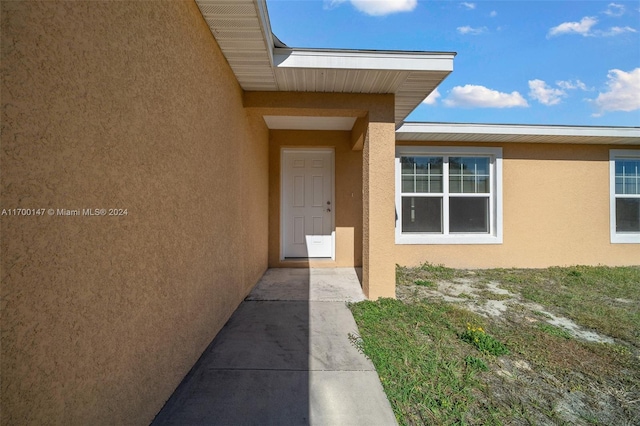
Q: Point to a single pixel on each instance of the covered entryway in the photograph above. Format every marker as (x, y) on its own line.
(315, 197)
(349, 99)
(307, 203)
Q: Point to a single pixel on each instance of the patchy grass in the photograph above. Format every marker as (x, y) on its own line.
(487, 294)
(427, 272)
(441, 363)
(425, 283)
(554, 331)
(419, 358)
(476, 363)
(602, 298)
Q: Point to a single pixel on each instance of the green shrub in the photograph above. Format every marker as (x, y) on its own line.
(484, 342)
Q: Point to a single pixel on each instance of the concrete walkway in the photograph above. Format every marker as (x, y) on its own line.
(284, 358)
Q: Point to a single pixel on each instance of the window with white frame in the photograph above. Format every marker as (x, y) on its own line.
(624, 178)
(448, 195)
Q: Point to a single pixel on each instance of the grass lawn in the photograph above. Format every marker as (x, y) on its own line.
(549, 346)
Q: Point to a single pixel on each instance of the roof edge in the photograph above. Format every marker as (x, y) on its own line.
(519, 129)
(371, 51)
(363, 59)
(265, 25)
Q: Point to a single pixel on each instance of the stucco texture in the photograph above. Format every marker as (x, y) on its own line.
(126, 105)
(379, 209)
(374, 135)
(555, 213)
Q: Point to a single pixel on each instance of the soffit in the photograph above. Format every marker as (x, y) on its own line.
(505, 133)
(275, 122)
(411, 76)
(243, 31)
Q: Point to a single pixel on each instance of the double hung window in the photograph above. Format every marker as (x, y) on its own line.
(624, 169)
(448, 195)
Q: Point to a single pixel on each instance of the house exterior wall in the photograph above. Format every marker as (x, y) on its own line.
(555, 213)
(348, 194)
(126, 105)
(374, 134)
(379, 213)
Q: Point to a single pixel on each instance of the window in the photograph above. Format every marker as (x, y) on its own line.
(624, 178)
(448, 195)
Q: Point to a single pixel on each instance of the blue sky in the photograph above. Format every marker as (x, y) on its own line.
(530, 62)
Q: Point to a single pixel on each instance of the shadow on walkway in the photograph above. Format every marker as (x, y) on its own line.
(284, 358)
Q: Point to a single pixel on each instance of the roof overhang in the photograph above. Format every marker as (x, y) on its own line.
(514, 133)
(411, 76)
(282, 122)
(260, 63)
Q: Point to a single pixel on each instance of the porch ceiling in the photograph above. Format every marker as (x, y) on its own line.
(509, 133)
(261, 63)
(276, 122)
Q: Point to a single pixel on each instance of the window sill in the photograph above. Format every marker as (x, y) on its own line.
(625, 238)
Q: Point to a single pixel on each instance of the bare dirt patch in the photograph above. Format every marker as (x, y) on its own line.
(489, 300)
(558, 371)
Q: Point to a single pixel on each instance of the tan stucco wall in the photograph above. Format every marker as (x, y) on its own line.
(128, 105)
(348, 194)
(378, 207)
(374, 134)
(555, 212)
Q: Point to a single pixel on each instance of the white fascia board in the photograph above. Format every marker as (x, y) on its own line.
(362, 59)
(265, 25)
(518, 130)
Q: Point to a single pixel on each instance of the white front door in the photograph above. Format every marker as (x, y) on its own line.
(307, 203)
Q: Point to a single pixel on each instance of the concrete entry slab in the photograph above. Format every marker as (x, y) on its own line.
(285, 359)
(319, 284)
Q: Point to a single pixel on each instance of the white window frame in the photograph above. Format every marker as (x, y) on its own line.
(495, 198)
(627, 237)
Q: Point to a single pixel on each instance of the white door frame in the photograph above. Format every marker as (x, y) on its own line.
(283, 152)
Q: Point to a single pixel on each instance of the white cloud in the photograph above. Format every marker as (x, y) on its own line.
(614, 10)
(493, 14)
(432, 99)
(583, 27)
(546, 95)
(377, 7)
(330, 4)
(472, 31)
(623, 92)
(472, 96)
(570, 85)
(614, 31)
(468, 5)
